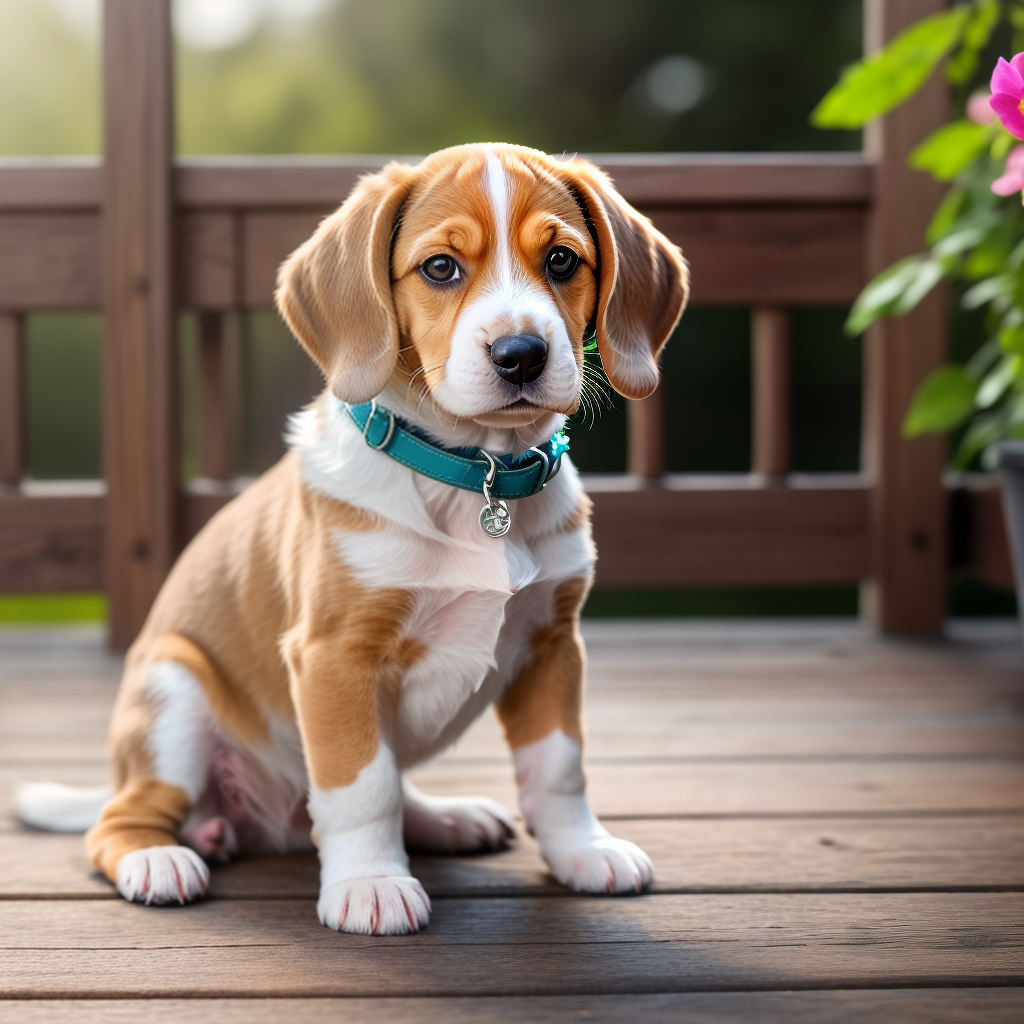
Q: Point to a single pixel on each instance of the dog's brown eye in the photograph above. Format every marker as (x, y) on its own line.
(562, 263)
(441, 269)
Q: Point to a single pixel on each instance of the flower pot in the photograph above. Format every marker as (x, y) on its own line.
(1011, 466)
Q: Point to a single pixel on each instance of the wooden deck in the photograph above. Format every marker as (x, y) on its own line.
(835, 820)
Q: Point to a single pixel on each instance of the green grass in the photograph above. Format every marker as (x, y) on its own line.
(38, 609)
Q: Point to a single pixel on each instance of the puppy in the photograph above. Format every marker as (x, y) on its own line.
(354, 610)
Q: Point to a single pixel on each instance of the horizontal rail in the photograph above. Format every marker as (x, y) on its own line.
(786, 231)
(801, 179)
(690, 532)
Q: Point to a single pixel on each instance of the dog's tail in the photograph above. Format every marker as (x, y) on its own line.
(56, 808)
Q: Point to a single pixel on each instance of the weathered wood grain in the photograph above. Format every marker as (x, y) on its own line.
(50, 261)
(690, 856)
(843, 1006)
(519, 947)
(51, 543)
(907, 593)
(140, 365)
(13, 433)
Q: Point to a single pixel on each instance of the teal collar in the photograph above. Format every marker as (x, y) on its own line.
(473, 469)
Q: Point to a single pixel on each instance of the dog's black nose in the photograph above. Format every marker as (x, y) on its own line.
(519, 358)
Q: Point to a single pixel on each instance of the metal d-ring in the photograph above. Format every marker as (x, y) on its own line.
(369, 419)
(547, 467)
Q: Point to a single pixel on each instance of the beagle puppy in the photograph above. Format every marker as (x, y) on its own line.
(354, 610)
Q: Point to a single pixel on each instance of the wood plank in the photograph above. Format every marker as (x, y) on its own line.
(51, 543)
(692, 536)
(267, 238)
(812, 788)
(564, 946)
(769, 256)
(51, 183)
(50, 261)
(826, 855)
(841, 1006)
(646, 436)
(209, 259)
(979, 543)
(220, 396)
(764, 789)
(140, 427)
(907, 593)
(13, 385)
(662, 178)
(770, 342)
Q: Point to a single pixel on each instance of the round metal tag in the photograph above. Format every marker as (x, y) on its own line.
(495, 518)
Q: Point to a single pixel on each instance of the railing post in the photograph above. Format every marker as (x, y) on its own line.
(140, 446)
(219, 397)
(907, 592)
(770, 340)
(645, 434)
(12, 399)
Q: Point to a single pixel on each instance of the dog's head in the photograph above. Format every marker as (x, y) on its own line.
(474, 275)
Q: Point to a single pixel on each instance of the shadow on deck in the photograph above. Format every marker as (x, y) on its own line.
(835, 821)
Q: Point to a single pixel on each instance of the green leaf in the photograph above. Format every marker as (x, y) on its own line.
(959, 241)
(983, 432)
(945, 216)
(984, 359)
(998, 381)
(876, 84)
(1012, 340)
(951, 148)
(962, 64)
(1000, 286)
(895, 291)
(880, 294)
(942, 401)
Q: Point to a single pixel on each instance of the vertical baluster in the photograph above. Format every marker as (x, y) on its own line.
(646, 436)
(219, 396)
(12, 399)
(771, 449)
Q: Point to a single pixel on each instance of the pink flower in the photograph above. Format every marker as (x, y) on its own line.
(1012, 179)
(978, 109)
(1008, 94)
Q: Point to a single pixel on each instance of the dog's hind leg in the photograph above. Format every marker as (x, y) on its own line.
(454, 824)
(161, 744)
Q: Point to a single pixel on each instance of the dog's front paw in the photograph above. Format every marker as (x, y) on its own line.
(385, 905)
(162, 874)
(458, 824)
(600, 864)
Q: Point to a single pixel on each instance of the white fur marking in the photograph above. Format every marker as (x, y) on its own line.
(180, 739)
(57, 808)
(365, 885)
(578, 849)
(162, 874)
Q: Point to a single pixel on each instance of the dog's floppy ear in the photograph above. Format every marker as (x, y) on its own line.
(334, 291)
(644, 283)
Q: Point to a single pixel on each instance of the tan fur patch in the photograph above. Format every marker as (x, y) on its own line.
(143, 813)
(235, 714)
(580, 517)
(548, 693)
(345, 674)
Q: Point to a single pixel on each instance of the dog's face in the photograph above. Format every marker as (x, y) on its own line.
(472, 277)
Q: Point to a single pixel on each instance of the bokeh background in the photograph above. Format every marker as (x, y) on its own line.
(408, 76)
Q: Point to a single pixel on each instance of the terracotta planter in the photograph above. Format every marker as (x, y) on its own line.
(1011, 466)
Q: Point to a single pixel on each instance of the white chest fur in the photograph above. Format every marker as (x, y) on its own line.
(477, 600)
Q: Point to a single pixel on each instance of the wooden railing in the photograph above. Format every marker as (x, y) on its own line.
(142, 235)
